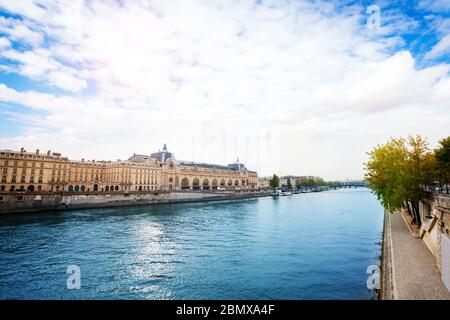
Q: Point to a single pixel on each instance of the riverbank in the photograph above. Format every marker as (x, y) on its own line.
(19, 202)
(409, 270)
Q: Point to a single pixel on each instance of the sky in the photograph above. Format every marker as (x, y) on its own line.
(288, 87)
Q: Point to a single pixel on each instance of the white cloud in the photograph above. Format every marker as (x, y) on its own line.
(435, 5)
(441, 48)
(218, 79)
(40, 64)
(18, 30)
(4, 42)
(66, 81)
(29, 8)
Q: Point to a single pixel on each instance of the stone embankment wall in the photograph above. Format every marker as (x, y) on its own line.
(435, 232)
(12, 202)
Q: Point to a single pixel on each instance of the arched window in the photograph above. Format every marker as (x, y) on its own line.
(83, 188)
(206, 184)
(71, 188)
(77, 188)
(230, 183)
(12, 188)
(95, 187)
(107, 188)
(4, 179)
(117, 188)
(30, 188)
(236, 183)
(185, 184)
(2, 188)
(39, 188)
(222, 183)
(196, 184)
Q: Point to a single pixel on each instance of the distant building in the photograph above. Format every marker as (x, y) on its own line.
(34, 171)
(263, 183)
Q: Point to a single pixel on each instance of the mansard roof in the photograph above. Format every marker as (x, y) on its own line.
(162, 156)
(140, 158)
(203, 165)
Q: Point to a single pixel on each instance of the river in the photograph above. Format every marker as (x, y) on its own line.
(306, 246)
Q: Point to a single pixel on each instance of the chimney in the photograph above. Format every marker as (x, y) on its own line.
(22, 150)
(49, 152)
(37, 151)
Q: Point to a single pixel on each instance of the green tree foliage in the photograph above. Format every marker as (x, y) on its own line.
(334, 184)
(398, 171)
(305, 182)
(275, 181)
(442, 155)
(311, 182)
(289, 184)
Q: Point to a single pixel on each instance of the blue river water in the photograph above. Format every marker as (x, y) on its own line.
(306, 246)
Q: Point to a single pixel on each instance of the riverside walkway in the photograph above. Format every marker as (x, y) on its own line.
(413, 270)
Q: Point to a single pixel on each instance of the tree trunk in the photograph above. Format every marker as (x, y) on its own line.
(414, 220)
(417, 213)
(410, 209)
(405, 204)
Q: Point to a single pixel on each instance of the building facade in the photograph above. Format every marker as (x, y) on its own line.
(264, 183)
(51, 172)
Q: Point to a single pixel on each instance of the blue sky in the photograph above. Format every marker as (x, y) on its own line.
(293, 87)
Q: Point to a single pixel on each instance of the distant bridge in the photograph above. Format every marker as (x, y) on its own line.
(350, 184)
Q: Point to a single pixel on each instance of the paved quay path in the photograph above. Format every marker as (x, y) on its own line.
(414, 271)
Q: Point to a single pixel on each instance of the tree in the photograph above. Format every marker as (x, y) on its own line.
(420, 172)
(398, 171)
(334, 184)
(289, 184)
(442, 155)
(319, 182)
(275, 181)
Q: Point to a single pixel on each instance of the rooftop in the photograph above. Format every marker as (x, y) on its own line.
(163, 155)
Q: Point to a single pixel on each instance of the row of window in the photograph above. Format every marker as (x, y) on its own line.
(54, 166)
(5, 171)
(22, 179)
(76, 188)
(33, 164)
(21, 188)
(40, 179)
(145, 188)
(31, 156)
